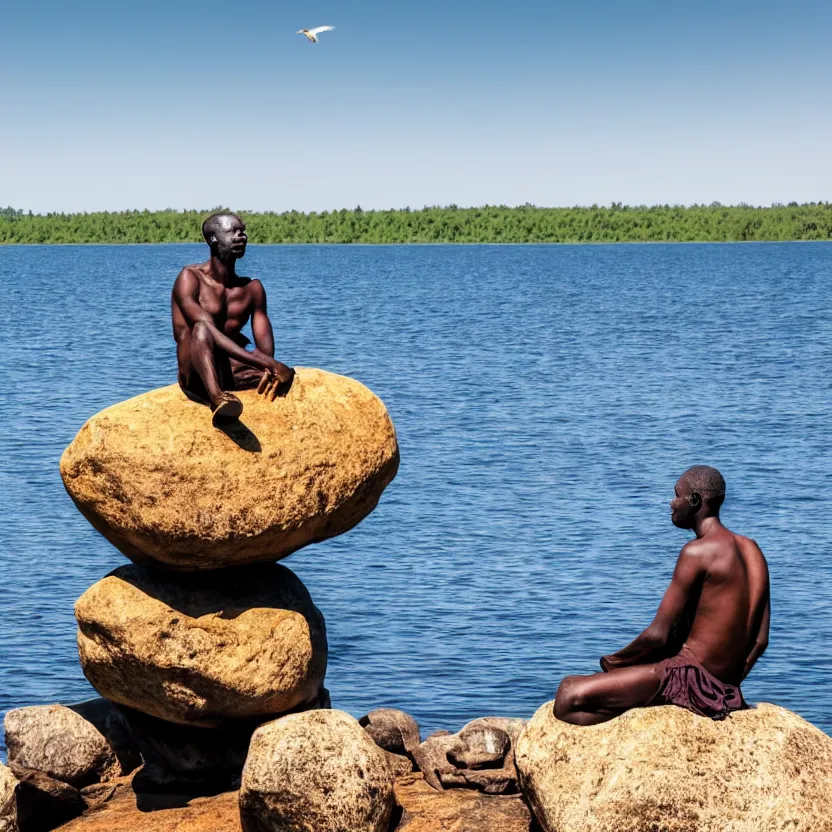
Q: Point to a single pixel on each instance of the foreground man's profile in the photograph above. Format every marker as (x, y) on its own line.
(711, 627)
(210, 305)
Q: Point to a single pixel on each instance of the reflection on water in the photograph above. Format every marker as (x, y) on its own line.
(545, 398)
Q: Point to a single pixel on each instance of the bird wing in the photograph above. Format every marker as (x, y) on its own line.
(318, 29)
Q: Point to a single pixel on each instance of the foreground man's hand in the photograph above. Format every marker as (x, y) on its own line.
(609, 663)
(274, 377)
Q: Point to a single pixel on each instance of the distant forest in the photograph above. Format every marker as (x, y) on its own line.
(491, 224)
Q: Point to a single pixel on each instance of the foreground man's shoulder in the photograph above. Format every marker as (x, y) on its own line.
(748, 543)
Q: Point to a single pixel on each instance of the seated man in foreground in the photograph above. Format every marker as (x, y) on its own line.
(210, 305)
(711, 627)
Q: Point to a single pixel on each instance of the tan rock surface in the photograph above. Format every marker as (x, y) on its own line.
(119, 812)
(8, 803)
(666, 770)
(202, 648)
(62, 744)
(457, 810)
(315, 772)
(161, 484)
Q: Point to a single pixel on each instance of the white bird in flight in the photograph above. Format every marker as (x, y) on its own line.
(312, 34)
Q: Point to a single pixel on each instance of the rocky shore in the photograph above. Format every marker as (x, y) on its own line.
(210, 661)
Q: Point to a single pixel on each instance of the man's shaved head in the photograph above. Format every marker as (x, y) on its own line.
(708, 482)
(214, 225)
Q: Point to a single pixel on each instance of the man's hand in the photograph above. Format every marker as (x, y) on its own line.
(275, 375)
(609, 663)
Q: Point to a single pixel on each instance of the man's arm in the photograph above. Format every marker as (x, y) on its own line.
(261, 326)
(185, 293)
(261, 329)
(761, 641)
(651, 644)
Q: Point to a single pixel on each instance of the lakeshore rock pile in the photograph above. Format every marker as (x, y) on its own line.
(203, 637)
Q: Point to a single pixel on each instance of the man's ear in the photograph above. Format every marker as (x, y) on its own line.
(213, 240)
(695, 499)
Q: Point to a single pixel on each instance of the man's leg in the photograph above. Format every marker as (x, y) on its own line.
(588, 700)
(203, 360)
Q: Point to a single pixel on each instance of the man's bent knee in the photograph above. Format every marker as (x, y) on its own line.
(201, 334)
(567, 698)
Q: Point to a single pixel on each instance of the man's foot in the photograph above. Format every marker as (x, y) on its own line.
(227, 408)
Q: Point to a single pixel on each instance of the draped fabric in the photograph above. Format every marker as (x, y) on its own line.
(686, 683)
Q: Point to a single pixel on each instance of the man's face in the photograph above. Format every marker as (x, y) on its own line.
(231, 237)
(681, 510)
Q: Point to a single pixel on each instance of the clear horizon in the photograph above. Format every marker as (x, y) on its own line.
(548, 104)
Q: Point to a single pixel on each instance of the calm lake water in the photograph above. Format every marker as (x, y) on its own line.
(546, 398)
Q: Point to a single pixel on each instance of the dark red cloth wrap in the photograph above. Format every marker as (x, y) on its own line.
(684, 682)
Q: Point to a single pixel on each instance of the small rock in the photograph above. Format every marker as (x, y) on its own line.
(399, 764)
(206, 648)
(62, 744)
(8, 800)
(44, 803)
(393, 730)
(107, 718)
(317, 771)
(167, 488)
(479, 757)
(459, 810)
(664, 768)
(480, 747)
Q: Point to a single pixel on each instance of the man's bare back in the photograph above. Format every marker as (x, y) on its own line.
(711, 627)
(210, 304)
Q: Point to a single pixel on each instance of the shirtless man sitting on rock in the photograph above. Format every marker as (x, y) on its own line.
(211, 304)
(711, 627)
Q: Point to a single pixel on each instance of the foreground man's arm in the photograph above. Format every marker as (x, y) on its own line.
(761, 642)
(651, 644)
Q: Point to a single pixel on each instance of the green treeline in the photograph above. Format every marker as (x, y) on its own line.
(490, 224)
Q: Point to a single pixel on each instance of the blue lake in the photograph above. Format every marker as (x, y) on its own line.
(546, 398)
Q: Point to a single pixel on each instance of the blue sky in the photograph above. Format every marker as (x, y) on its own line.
(185, 104)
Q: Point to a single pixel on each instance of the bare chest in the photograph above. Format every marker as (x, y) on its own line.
(232, 306)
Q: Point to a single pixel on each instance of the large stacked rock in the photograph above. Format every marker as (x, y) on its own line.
(167, 488)
(664, 769)
(204, 637)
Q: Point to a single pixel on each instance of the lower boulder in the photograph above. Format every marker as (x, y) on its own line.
(203, 648)
(664, 769)
(317, 771)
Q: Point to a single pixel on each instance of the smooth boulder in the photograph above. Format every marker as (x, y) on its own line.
(317, 771)
(664, 769)
(164, 486)
(203, 648)
(61, 743)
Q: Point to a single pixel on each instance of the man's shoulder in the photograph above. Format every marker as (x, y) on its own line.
(254, 287)
(193, 270)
